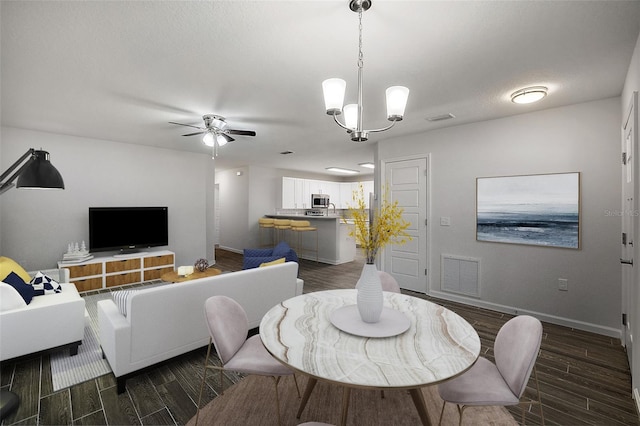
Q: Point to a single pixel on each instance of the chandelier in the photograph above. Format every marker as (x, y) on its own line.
(334, 89)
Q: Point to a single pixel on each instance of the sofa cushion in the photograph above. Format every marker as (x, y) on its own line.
(9, 265)
(25, 290)
(10, 298)
(44, 284)
(121, 297)
(254, 262)
(281, 250)
(273, 262)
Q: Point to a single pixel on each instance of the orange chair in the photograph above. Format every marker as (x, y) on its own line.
(266, 224)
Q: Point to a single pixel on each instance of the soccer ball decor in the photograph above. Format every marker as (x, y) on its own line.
(201, 265)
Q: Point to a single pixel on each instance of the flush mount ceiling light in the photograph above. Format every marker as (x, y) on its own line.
(367, 165)
(341, 170)
(334, 89)
(529, 95)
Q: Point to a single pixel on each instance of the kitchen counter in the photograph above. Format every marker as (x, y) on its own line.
(335, 246)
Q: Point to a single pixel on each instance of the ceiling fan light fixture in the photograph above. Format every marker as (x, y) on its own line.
(208, 139)
(222, 141)
(529, 95)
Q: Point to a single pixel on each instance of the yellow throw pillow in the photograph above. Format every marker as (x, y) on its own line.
(8, 266)
(273, 262)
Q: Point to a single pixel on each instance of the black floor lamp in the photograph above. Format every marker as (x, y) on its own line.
(36, 173)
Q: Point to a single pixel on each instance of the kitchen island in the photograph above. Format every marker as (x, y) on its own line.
(335, 245)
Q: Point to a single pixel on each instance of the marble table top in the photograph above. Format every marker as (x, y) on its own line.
(438, 345)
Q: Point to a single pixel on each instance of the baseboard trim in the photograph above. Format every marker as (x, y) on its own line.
(553, 319)
(636, 398)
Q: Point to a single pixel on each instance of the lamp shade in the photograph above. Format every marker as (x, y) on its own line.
(333, 89)
(351, 116)
(396, 102)
(40, 174)
(208, 139)
(222, 141)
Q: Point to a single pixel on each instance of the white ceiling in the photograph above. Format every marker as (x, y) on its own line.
(121, 70)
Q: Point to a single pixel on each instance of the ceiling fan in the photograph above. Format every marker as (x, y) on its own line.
(216, 133)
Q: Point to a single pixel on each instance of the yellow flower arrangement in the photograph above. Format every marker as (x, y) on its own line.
(375, 228)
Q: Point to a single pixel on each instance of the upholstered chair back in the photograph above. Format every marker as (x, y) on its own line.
(516, 349)
(228, 325)
(388, 282)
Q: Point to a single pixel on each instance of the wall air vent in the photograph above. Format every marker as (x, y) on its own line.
(441, 117)
(286, 152)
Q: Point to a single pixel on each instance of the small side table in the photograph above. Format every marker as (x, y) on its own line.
(173, 277)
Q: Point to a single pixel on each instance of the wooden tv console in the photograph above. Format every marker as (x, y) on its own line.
(110, 271)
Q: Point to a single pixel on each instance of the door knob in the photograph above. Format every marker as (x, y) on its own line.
(626, 261)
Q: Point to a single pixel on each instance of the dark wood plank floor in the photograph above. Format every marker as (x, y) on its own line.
(584, 377)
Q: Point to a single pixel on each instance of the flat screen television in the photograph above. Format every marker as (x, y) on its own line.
(127, 229)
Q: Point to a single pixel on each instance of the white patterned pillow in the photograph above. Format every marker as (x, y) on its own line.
(44, 284)
(120, 298)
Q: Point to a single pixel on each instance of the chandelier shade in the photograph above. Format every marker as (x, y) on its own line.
(334, 90)
(396, 102)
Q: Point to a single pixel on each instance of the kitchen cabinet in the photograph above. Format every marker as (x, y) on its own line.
(296, 192)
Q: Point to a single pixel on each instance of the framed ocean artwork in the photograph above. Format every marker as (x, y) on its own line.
(542, 210)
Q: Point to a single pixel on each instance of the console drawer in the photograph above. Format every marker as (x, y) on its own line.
(122, 265)
(155, 274)
(85, 270)
(88, 284)
(150, 262)
(120, 279)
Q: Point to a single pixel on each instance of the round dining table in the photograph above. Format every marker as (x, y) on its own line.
(307, 333)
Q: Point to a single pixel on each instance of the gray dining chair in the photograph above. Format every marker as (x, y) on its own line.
(515, 349)
(228, 328)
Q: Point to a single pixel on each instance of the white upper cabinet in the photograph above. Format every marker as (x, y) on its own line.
(296, 192)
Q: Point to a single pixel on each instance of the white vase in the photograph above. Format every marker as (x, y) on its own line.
(370, 298)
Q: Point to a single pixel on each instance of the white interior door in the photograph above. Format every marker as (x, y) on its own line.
(630, 239)
(407, 184)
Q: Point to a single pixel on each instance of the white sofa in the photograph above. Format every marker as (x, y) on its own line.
(166, 321)
(49, 321)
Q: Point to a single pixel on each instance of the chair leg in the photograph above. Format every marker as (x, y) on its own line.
(461, 411)
(444, 404)
(296, 382)
(204, 376)
(276, 380)
(535, 376)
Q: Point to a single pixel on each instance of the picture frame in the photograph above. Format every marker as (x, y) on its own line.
(540, 210)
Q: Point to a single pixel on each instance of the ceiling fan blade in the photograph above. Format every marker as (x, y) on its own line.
(188, 125)
(240, 132)
(193, 134)
(227, 137)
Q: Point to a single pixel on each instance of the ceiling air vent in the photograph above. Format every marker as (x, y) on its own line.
(441, 117)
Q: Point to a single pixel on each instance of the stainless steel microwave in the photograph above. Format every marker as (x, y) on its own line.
(319, 201)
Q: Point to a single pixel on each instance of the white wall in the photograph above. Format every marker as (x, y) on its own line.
(36, 226)
(580, 138)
